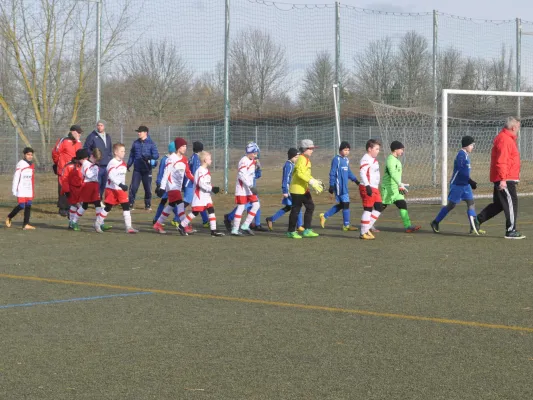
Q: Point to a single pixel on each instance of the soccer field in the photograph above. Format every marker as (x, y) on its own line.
(406, 316)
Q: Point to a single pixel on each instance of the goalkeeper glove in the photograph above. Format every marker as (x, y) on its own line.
(123, 187)
(356, 181)
(331, 189)
(473, 184)
(403, 188)
(215, 189)
(368, 190)
(253, 190)
(317, 185)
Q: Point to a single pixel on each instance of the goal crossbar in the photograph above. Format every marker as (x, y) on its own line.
(444, 110)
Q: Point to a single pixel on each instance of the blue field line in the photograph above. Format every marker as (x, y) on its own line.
(39, 303)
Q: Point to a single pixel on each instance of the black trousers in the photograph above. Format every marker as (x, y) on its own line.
(297, 201)
(62, 202)
(502, 200)
(146, 178)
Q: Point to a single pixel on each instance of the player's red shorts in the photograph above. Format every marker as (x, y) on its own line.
(74, 195)
(114, 197)
(90, 192)
(368, 201)
(202, 208)
(174, 195)
(21, 200)
(246, 199)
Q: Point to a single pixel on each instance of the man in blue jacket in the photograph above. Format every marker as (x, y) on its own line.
(143, 157)
(101, 140)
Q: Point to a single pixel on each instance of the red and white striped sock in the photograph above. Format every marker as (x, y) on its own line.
(78, 214)
(238, 216)
(181, 211)
(72, 212)
(164, 215)
(187, 220)
(101, 216)
(373, 218)
(251, 214)
(212, 222)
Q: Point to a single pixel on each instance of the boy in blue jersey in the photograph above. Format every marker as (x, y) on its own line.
(161, 193)
(339, 176)
(461, 186)
(288, 169)
(188, 190)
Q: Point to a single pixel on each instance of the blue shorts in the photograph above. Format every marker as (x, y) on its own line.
(287, 201)
(343, 198)
(460, 193)
(188, 194)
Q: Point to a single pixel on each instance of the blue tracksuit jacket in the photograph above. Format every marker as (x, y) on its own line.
(340, 174)
(142, 153)
(461, 169)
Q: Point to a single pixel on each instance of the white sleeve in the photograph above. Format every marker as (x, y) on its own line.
(363, 172)
(166, 174)
(16, 180)
(204, 186)
(242, 175)
(91, 172)
(112, 176)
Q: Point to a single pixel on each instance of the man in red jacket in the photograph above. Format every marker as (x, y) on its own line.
(505, 175)
(63, 153)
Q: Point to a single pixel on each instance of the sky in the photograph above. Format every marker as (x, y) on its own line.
(483, 9)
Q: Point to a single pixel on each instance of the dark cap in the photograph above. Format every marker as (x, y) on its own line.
(81, 154)
(292, 153)
(396, 145)
(142, 128)
(344, 145)
(467, 141)
(76, 128)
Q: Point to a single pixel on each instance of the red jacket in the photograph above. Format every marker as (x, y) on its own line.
(505, 158)
(64, 151)
(71, 179)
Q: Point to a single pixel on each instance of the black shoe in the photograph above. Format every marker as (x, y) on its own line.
(435, 226)
(270, 224)
(64, 213)
(514, 235)
(217, 234)
(181, 230)
(227, 223)
(259, 228)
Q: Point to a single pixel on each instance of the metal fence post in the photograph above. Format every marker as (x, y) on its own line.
(296, 136)
(435, 102)
(226, 96)
(214, 147)
(121, 134)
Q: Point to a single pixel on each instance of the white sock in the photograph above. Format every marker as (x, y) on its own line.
(187, 220)
(166, 212)
(251, 214)
(373, 218)
(127, 218)
(181, 211)
(78, 215)
(212, 222)
(238, 216)
(101, 217)
(72, 213)
(365, 222)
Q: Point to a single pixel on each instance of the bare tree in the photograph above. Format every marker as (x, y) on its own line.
(258, 69)
(413, 68)
(375, 73)
(159, 78)
(449, 66)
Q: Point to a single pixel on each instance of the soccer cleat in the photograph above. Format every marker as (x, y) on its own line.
(159, 228)
(260, 228)
(227, 224)
(475, 227)
(322, 220)
(64, 213)
(301, 229)
(246, 229)
(349, 228)
(28, 227)
(369, 233)
(270, 224)
(75, 227)
(8, 222)
(70, 225)
(293, 235)
(148, 208)
(217, 234)
(98, 227)
(182, 230)
(190, 230)
(308, 233)
(412, 228)
(514, 235)
(366, 236)
(374, 229)
(131, 230)
(206, 224)
(174, 223)
(236, 232)
(435, 226)
(105, 227)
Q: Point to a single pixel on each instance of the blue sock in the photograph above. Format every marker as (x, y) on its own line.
(471, 213)
(346, 216)
(159, 210)
(442, 213)
(278, 215)
(332, 211)
(231, 215)
(205, 217)
(258, 217)
(300, 221)
(176, 218)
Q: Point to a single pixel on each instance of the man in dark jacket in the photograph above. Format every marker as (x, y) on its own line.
(143, 157)
(101, 140)
(505, 175)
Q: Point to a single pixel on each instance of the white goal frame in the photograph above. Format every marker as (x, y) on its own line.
(444, 133)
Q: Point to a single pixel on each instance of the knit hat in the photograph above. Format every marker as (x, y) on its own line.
(178, 142)
(101, 121)
(344, 145)
(171, 147)
(81, 154)
(292, 153)
(396, 145)
(307, 144)
(467, 141)
(197, 147)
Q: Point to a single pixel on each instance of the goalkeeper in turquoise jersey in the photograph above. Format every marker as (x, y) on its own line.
(392, 189)
(461, 186)
(340, 175)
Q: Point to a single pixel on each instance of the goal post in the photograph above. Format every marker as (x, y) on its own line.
(444, 127)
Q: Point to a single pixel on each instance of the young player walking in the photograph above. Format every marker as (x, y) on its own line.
(461, 186)
(188, 185)
(23, 189)
(72, 183)
(339, 176)
(392, 189)
(202, 201)
(162, 193)
(369, 189)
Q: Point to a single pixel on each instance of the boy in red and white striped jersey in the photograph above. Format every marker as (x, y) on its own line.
(369, 189)
(23, 188)
(201, 200)
(116, 191)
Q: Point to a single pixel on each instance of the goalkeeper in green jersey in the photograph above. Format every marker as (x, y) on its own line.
(392, 188)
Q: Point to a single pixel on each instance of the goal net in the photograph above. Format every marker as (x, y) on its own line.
(432, 140)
